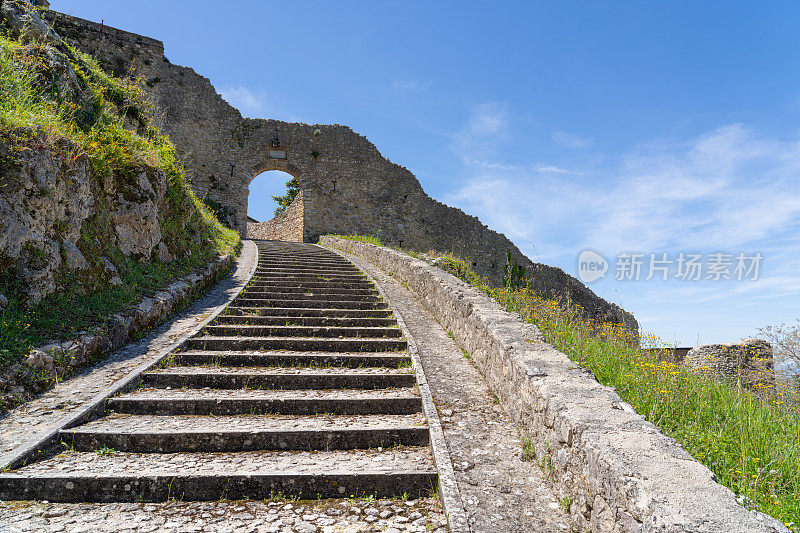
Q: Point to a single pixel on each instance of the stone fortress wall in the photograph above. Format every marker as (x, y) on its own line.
(348, 186)
(285, 226)
(749, 362)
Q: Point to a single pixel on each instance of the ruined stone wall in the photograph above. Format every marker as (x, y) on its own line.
(749, 362)
(348, 186)
(618, 471)
(285, 226)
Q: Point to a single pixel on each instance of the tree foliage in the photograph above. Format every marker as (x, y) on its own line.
(292, 188)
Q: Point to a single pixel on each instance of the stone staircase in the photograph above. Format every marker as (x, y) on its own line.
(302, 387)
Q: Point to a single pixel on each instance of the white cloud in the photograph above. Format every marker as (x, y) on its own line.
(571, 141)
(542, 167)
(729, 189)
(486, 127)
(250, 104)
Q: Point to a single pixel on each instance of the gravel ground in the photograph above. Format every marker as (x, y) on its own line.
(323, 516)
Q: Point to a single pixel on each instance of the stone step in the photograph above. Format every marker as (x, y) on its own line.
(304, 265)
(281, 378)
(188, 433)
(308, 265)
(307, 295)
(249, 358)
(305, 321)
(308, 312)
(74, 476)
(310, 269)
(365, 284)
(302, 276)
(283, 289)
(250, 330)
(245, 301)
(364, 344)
(218, 402)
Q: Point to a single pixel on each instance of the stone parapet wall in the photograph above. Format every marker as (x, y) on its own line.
(749, 362)
(285, 226)
(112, 47)
(621, 473)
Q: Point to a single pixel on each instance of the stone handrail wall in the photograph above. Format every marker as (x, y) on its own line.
(285, 226)
(620, 472)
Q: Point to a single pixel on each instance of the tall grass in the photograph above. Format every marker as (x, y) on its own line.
(749, 438)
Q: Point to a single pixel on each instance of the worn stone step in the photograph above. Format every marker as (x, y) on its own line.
(364, 284)
(303, 258)
(74, 476)
(305, 321)
(294, 273)
(190, 433)
(245, 301)
(219, 402)
(308, 295)
(251, 330)
(308, 265)
(365, 344)
(307, 312)
(289, 276)
(283, 289)
(250, 358)
(309, 269)
(281, 378)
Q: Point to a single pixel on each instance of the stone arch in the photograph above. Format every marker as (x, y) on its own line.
(288, 225)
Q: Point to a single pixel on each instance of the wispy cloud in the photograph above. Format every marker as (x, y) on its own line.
(486, 127)
(729, 188)
(538, 167)
(250, 104)
(411, 86)
(571, 141)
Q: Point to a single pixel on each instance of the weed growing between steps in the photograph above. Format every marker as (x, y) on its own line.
(57, 100)
(749, 438)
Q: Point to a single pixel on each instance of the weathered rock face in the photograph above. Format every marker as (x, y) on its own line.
(749, 362)
(48, 204)
(21, 19)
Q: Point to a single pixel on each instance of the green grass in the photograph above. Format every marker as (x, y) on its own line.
(35, 114)
(749, 439)
(63, 316)
(106, 451)
(361, 238)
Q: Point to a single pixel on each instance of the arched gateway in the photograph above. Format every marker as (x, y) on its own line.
(348, 186)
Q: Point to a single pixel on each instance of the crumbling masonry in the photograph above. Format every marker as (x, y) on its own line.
(348, 186)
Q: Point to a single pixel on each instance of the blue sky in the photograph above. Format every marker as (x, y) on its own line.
(628, 126)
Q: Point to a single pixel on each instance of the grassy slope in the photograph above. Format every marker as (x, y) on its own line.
(750, 441)
(31, 112)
